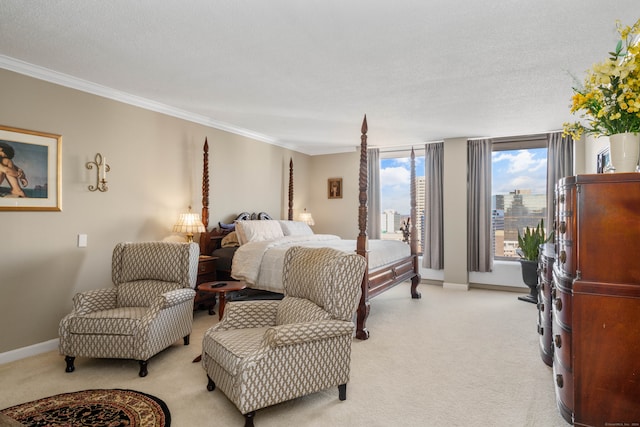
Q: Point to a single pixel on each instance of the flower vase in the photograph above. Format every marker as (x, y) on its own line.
(624, 149)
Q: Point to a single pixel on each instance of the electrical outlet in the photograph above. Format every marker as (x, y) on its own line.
(82, 240)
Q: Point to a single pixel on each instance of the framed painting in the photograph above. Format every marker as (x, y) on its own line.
(335, 188)
(30, 170)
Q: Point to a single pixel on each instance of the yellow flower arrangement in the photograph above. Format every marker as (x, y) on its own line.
(609, 100)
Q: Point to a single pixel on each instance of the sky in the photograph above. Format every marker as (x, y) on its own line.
(395, 182)
(511, 170)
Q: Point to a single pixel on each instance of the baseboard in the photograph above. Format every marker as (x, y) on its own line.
(32, 350)
(455, 286)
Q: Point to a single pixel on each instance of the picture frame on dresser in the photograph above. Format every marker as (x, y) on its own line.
(30, 170)
(602, 161)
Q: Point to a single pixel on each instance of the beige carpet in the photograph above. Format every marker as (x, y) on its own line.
(453, 358)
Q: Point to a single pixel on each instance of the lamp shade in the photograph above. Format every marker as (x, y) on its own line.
(189, 223)
(306, 218)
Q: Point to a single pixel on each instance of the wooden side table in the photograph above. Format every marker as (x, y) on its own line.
(221, 288)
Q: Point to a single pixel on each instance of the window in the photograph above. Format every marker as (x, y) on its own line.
(395, 193)
(519, 191)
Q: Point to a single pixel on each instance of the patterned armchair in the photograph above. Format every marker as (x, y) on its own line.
(267, 352)
(150, 307)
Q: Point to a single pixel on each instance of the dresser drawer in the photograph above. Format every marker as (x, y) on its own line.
(563, 382)
(562, 345)
(566, 255)
(205, 267)
(561, 308)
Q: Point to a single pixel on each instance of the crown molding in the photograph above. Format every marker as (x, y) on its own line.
(66, 80)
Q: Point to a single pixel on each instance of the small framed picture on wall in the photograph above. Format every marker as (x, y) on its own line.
(335, 188)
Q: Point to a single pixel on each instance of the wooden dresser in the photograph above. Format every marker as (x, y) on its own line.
(545, 285)
(596, 299)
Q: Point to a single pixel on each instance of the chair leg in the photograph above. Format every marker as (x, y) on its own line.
(342, 392)
(70, 360)
(248, 419)
(210, 385)
(186, 340)
(143, 368)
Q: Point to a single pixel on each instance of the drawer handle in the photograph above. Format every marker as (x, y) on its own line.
(563, 257)
(558, 303)
(558, 341)
(563, 227)
(541, 306)
(542, 285)
(559, 380)
(540, 330)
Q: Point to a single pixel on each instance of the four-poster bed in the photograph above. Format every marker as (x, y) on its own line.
(382, 273)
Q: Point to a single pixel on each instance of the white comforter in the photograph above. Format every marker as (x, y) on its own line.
(260, 263)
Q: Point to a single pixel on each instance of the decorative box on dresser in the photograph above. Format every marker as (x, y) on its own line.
(596, 299)
(545, 284)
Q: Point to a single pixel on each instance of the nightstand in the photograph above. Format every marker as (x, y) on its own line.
(206, 273)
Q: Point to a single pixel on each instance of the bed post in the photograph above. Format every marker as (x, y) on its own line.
(205, 239)
(290, 215)
(415, 280)
(361, 244)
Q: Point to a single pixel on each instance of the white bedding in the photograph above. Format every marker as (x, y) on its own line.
(259, 263)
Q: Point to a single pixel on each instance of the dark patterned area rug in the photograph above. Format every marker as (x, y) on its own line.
(108, 408)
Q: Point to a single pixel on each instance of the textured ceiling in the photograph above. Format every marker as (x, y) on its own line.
(301, 74)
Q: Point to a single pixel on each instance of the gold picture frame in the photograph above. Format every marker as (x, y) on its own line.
(334, 188)
(30, 170)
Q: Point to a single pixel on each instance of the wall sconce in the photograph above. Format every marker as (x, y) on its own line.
(306, 217)
(101, 169)
(189, 223)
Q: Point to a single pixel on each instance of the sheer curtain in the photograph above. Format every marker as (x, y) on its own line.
(559, 165)
(433, 242)
(373, 193)
(479, 254)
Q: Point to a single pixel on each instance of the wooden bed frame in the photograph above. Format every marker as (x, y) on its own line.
(374, 282)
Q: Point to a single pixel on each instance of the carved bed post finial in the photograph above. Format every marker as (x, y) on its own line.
(205, 184)
(361, 243)
(290, 216)
(205, 239)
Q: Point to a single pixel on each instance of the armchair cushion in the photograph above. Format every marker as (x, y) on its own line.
(231, 347)
(117, 321)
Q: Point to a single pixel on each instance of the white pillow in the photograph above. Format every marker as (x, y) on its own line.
(259, 230)
(295, 228)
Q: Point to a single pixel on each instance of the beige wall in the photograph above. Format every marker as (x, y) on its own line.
(335, 216)
(156, 168)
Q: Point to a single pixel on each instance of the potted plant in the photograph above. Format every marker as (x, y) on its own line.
(529, 249)
(608, 102)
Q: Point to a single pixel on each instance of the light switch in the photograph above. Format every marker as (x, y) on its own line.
(82, 240)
